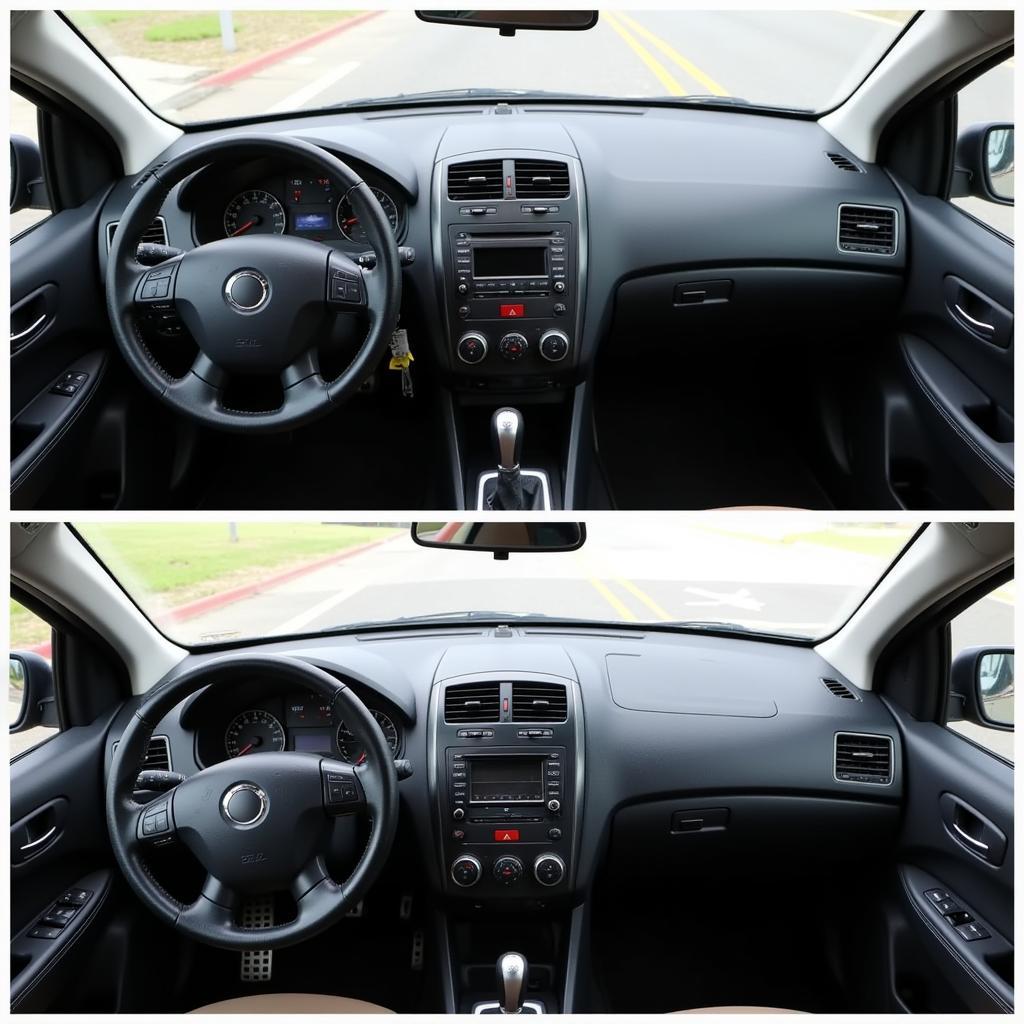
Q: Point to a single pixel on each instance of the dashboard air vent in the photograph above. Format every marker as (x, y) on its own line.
(155, 234)
(867, 229)
(542, 179)
(838, 689)
(478, 179)
(863, 758)
(539, 702)
(843, 163)
(157, 757)
(472, 702)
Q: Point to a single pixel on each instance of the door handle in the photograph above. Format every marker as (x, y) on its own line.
(38, 842)
(963, 835)
(971, 830)
(28, 330)
(978, 325)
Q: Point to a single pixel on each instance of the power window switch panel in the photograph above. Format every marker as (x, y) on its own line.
(959, 917)
(972, 931)
(55, 921)
(43, 932)
(937, 895)
(75, 897)
(947, 907)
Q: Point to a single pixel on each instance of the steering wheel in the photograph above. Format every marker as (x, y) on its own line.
(255, 305)
(258, 824)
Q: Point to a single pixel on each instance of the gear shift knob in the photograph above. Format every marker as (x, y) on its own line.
(507, 430)
(513, 972)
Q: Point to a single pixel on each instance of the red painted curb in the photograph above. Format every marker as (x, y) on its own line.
(250, 67)
(43, 650)
(202, 605)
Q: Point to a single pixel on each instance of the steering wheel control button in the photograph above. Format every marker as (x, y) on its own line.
(156, 289)
(508, 870)
(345, 287)
(466, 871)
(341, 791)
(549, 869)
(244, 805)
(247, 291)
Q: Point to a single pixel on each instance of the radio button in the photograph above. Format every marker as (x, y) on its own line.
(554, 806)
(559, 286)
(554, 834)
(459, 813)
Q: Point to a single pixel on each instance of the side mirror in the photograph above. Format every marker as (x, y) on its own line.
(31, 683)
(984, 163)
(28, 190)
(981, 687)
(500, 537)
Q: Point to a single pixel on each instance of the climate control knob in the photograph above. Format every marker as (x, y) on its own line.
(554, 346)
(466, 870)
(513, 346)
(508, 870)
(472, 347)
(549, 869)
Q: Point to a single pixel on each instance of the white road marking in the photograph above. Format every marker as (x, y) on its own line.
(301, 97)
(741, 598)
(293, 625)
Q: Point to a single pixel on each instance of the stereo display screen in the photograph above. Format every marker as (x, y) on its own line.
(510, 261)
(495, 780)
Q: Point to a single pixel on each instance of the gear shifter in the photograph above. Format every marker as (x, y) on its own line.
(513, 974)
(511, 489)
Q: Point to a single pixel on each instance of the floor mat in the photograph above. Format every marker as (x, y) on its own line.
(698, 447)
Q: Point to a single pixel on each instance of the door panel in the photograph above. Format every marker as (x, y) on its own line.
(58, 844)
(957, 838)
(956, 327)
(58, 325)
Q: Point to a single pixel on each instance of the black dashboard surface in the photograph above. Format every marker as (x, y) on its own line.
(641, 761)
(666, 190)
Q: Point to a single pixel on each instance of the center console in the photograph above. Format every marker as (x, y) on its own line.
(508, 759)
(510, 238)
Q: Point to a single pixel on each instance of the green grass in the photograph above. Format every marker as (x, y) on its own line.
(186, 30)
(88, 19)
(163, 557)
(881, 543)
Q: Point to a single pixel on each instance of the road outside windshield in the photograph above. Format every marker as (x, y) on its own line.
(205, 65)
(210, 582)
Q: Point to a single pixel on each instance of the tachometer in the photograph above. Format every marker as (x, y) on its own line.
(349, 224)
(254, 212)
(253, 732)
(351, 749)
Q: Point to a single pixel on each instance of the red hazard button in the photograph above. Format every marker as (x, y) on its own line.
(512, 309)
(506, 835)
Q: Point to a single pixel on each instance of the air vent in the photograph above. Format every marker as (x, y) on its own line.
(479, 179)
(539, 702)
(867, 229)
(155, 234)
(838, 689)
(472, 702)
(863, 758)
(158, 755)
(542, 179)
(843, 163)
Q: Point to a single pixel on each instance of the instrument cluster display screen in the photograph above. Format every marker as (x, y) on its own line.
(506, 780)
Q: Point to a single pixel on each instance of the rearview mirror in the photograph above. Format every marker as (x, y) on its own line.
(500, 537)
(981, 687)
(509, 22)
(30, 696)
(28, 190)
(984, 163)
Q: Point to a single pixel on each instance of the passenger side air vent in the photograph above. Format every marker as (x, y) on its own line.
(863, 758)
(155, 234)
(867, 229)
(838, 689)
(539, 702)
(843, 163)
(472, 702)
(542, 179)
(478, 179)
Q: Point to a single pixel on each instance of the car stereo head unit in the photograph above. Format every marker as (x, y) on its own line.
(511, 779)
(490, 264)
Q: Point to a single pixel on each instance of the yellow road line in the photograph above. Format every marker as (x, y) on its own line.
(645, 599)
(880, 18)
(610, 597)
(674, 55)
(656, 68)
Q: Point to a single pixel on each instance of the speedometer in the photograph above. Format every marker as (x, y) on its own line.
(352, 750)
(349, 224)
(254, 212)
(253, 732)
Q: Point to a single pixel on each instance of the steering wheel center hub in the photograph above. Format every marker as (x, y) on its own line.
(247, 291)
(245, 805)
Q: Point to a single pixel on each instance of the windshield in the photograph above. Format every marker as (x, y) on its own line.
(780, 574)
(202, 65)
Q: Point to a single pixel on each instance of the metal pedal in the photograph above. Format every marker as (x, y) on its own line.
(417, 950)
(257, 964)
(356, 911)
(405, 907)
